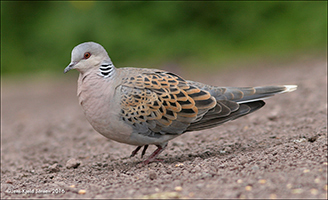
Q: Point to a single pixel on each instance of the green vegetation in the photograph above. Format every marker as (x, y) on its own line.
(39, 35)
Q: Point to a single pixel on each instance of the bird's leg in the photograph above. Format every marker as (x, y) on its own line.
(136, 151)
(144, 150)
(154, 155)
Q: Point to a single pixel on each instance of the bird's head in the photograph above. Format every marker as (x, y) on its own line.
(87, 56)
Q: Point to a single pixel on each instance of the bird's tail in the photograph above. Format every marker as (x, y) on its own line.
(234, 102)
(251, 94)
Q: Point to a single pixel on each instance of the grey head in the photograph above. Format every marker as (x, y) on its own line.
(87, 56)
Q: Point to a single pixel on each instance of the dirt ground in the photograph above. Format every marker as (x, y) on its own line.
(49, 150)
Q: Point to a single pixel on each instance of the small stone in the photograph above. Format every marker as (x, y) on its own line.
(262, 181)
(178, 188)
(317, 180)
(239, 181)
(306, 170)
(289, 186)
(179, 165)
(82, 192)
(248, 188)
(152, 175)
(53, 168)
(73, 163)
(299, 140)
(72, 186)
(273, 117)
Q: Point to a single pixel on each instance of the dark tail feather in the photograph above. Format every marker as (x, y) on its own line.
(211, 121)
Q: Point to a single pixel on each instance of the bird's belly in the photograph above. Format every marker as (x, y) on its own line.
(104, 118)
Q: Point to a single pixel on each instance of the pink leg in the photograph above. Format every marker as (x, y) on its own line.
(154, 155)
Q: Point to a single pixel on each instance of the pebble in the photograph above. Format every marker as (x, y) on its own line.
(299, 140)
(73, 163)
(248, 188)
(262, 181)
(82, 192)
(178, 188)
(53, 168)
(152, 175)
(179, 165)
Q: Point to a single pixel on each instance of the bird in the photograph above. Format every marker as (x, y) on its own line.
(144, 106)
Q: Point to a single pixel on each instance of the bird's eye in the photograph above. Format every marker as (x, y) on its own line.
(87, 55)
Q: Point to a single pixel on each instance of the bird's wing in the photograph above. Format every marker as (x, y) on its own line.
(159, 102)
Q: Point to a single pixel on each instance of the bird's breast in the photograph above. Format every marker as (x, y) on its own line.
(101, 107)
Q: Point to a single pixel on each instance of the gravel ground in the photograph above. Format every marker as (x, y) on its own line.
(49, 150)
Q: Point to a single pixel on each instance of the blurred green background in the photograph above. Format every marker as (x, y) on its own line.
(38, 36)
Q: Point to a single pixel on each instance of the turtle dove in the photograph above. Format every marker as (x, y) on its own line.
(150, 107)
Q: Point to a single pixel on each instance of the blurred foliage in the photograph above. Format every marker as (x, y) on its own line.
(39, 35)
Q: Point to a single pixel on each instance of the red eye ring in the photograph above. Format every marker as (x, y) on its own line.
(87, 55)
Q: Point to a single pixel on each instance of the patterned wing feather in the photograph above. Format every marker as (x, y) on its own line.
(162, 102)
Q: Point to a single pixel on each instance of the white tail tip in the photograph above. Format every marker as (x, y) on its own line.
(290, 88)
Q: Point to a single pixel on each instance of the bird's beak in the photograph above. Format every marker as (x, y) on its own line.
(69, 67)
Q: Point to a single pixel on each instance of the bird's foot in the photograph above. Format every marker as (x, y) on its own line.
(153, 156)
